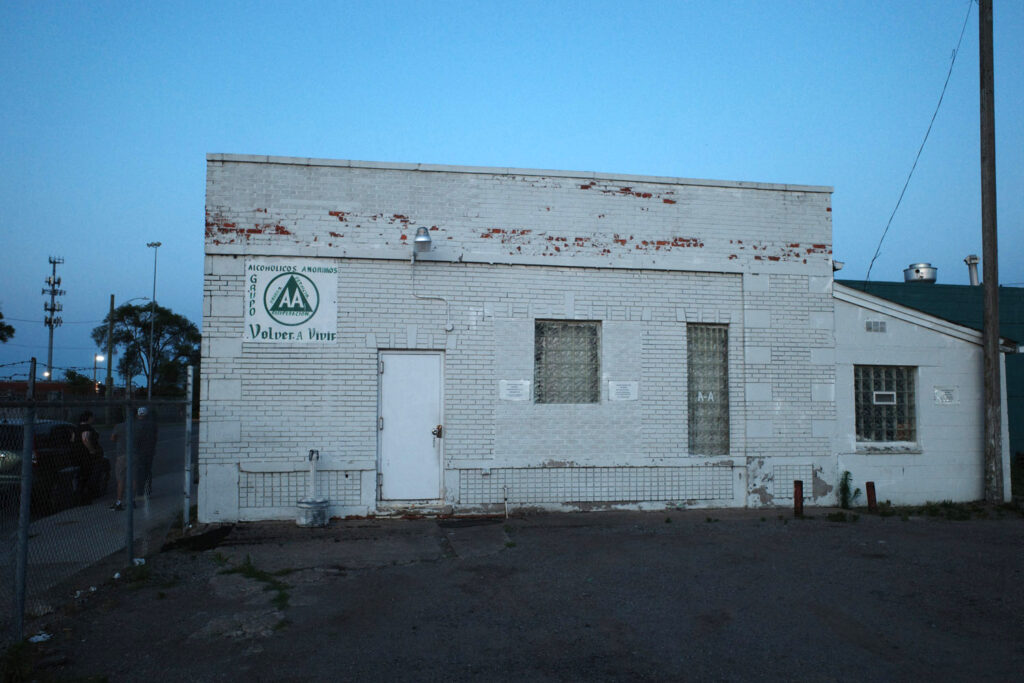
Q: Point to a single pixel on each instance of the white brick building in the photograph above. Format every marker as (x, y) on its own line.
(583, 340)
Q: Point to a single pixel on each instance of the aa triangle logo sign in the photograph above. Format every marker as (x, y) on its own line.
(290, 301)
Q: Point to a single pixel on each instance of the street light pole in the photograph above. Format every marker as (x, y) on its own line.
(152, 320)
(97, 358)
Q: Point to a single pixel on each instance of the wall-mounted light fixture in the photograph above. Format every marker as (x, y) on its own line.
(421, 243)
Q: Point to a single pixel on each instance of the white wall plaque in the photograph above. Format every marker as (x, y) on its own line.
(946, 396)
(514, 389)
(623, 391)
(291, 301)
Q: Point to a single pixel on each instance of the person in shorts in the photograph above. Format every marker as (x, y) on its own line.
(145, 429)
(120, 465)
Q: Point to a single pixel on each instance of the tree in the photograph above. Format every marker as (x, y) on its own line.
(6, 331)
(175, 345)
(77, 383)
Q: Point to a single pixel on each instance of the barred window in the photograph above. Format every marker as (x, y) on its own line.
(707, 360)
(884, 403)
(566, 362)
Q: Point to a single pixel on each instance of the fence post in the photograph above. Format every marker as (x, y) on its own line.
(25, 509)
(129, 479)
(187, 500)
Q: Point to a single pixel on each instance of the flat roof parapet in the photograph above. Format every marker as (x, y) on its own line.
(488, 170)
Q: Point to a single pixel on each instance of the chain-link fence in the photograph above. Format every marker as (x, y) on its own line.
(81, 481)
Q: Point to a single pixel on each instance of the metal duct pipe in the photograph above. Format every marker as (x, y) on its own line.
(972, 268)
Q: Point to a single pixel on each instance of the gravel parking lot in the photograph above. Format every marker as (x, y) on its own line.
(678, 595)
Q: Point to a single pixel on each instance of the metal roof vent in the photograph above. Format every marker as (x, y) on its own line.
(920, 272)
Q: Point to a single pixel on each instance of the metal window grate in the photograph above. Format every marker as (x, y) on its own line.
(595, 484)
(707, 358)
(783, 477)
(285, 489)
(567, 367)
(885, 403)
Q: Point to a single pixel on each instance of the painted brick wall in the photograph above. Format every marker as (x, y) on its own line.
(947, 462)
(754, 257)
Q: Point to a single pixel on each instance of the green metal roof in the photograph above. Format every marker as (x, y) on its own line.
(960, 304)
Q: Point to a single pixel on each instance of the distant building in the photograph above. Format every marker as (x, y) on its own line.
(456, 339)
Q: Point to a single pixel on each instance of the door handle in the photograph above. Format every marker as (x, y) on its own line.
(439, 432)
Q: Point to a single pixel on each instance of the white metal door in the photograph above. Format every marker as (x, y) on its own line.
(410, 426)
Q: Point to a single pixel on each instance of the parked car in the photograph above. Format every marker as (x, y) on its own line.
(56, 465)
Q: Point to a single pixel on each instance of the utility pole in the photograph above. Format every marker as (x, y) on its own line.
(990, 261)
(152, 320)
(110, 360)
(52, 320)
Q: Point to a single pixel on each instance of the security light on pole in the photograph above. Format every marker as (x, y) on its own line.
(98, 358)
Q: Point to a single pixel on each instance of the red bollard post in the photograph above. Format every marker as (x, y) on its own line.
(798, 498)
(872, 502)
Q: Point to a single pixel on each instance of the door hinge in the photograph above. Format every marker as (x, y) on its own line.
(380, 423)
(380, 367)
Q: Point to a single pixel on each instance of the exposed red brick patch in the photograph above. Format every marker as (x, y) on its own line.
(686, 242)
(669, 201)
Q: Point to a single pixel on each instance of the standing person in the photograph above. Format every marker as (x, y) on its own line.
(120, 465)
(145, 450)
(88, 456)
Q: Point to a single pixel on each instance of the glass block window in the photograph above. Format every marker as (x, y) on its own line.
(884, 402)
(566, 362)
(707, 361)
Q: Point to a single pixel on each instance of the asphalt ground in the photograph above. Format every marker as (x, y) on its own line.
(680, 595)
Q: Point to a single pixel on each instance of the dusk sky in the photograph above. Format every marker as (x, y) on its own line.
(110, 108)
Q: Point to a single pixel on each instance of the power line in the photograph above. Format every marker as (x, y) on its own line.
(949, 73)
(65, 322)
(59, 348)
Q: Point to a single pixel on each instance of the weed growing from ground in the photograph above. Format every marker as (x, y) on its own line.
(842, 517)
(847, 494)
(17, 664)
(250, 571)
(137, 575)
